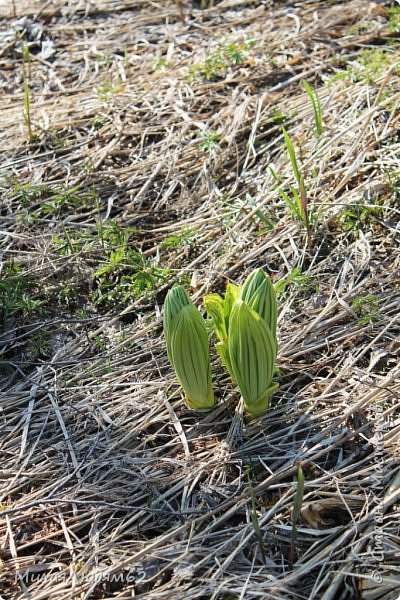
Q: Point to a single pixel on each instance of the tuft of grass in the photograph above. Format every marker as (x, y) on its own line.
(16, 298)
(366, 308)
(298, 203)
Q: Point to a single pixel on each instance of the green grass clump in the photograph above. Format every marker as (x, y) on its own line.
(366, 309)
(17, 298)
(218, 61)
(394, 19)
(126, 274)
(122, 272)
(367, 68)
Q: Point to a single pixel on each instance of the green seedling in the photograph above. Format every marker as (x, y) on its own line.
(366, 308)
(217, 62)
(298, 204)
(209, 141)
(185, 237)
(27, 93)
(316, 105)
(302, 281)
(16, 298)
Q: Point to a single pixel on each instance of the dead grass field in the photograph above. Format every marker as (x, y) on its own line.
(136, 151)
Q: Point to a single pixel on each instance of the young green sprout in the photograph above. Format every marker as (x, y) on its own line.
(187, 348)
(258, 292)
(252, 351)
(219, 309)
(245, 325)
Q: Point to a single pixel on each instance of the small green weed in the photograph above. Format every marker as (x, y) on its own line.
(16, 296)
(279, 117)
(367, 68)
(50, 201)
(124, 272)
(65, 199)
(209, 141)
(67, 294)
(39, 344)
(99, 121)
(302, 281)
(366, 308)
(108, 235)
(394, 19)
(185, 237)
(359, 216)
(125, 275)
(27, 193)
(109, 88)
(218, 61)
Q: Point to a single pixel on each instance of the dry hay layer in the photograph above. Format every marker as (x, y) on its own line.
(137, 144)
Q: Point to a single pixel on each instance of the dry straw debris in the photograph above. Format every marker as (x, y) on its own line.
(142, 145)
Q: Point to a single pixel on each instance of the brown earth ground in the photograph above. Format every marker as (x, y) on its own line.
(142, 145)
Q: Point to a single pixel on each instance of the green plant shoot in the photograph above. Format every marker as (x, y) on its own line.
(187, 347)
(316, 106)
(219, 311)
(252, 352)
(299, 207)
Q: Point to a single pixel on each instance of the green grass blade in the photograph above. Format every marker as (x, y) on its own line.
(316, 105)
(292, 155)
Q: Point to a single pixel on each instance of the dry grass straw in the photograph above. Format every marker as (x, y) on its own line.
(105, 473)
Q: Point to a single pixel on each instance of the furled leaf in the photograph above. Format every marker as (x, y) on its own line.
(258, 293)
(252, 352)
(175, 300)
(188, 345)
(231, 295)
(214, 305)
